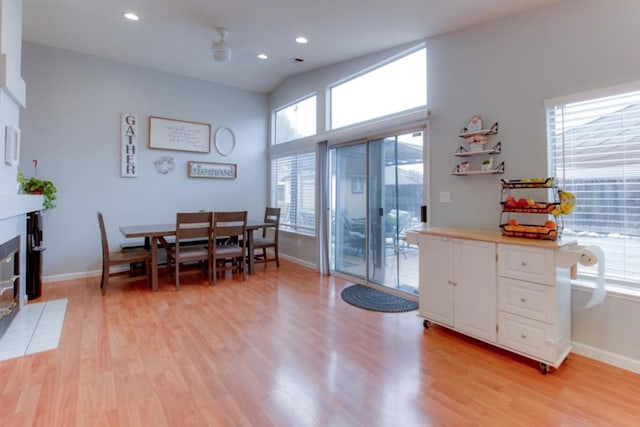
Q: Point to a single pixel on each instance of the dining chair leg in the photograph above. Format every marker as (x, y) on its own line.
(177, 272)
(148, 265)
(104, 279)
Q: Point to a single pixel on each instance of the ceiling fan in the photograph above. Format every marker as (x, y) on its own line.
(221, 52)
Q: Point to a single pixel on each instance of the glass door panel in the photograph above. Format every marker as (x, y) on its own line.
(348, 209)
(409, 171)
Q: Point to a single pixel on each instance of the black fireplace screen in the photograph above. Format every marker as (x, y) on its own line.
(9, 282)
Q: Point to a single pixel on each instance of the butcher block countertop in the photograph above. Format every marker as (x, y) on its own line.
(493, 236)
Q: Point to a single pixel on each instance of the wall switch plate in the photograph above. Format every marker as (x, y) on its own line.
(445, 197)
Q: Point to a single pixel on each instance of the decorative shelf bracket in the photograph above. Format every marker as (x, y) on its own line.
(463, 152)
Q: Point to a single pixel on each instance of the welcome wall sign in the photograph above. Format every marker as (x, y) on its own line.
(212, 170)
(129, 146)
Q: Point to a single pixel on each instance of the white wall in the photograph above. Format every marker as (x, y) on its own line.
(72, 127)
(11, 83)
(504, 71)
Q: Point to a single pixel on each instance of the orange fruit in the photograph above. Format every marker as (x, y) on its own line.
(550, 224)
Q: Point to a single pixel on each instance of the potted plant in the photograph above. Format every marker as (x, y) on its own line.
(487, 165)
(35, 185)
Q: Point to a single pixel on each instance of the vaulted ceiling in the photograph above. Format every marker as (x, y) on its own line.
(177, 35)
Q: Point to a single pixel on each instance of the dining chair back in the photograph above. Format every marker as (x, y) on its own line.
(193, 243)
(269, 238)
(229, 248)
(130, 257)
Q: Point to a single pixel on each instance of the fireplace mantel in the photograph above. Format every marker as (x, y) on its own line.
(19, 204)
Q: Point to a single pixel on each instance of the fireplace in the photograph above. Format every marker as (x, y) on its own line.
(9, 282)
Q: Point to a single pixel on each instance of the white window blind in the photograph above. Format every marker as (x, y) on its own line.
(293, 191)
(594, 150)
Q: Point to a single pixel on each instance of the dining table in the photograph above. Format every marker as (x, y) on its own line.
(155, 234)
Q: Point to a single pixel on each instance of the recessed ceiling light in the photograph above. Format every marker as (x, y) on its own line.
(302, 40)
(262, 56)
(131, 16)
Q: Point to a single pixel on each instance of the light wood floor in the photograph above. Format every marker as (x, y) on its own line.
(283, 349)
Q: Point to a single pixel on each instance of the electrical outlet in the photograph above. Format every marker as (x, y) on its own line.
(445, 197)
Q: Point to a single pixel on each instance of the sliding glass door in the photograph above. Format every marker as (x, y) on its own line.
(377, 191)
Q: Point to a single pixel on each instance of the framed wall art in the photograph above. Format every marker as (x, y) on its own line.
(212, 170)
(179, 135)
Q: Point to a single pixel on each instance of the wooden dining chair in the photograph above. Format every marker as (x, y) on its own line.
(269, 239)
(192, 229)
(128, 257)
(229, 235)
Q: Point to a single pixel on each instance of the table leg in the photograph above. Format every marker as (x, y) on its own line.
(250, 257)
(154, 263)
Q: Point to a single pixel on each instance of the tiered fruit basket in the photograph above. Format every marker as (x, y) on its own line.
(528, 183)
(550, 229)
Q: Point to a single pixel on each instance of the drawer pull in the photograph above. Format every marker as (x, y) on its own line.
(524, 264)
(523, 299)
(523, 336)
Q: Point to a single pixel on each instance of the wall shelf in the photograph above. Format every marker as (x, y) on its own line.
(497, 170)
(463, 152)
(477, 140)
(493, 130)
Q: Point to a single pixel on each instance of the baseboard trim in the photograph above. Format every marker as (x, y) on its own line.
(80, 275)
(603, 356)
(97, 273)
(299, 261)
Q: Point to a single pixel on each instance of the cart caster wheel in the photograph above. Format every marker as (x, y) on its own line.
(426, 324)
(544, 368)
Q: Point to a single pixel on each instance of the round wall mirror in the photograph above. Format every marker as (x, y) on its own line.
(225, 141)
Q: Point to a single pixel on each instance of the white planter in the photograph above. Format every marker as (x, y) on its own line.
(486, 167)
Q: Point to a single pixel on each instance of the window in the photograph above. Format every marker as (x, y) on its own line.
(293, 188)
(392, 88)
(594, 148)
(296, 120)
